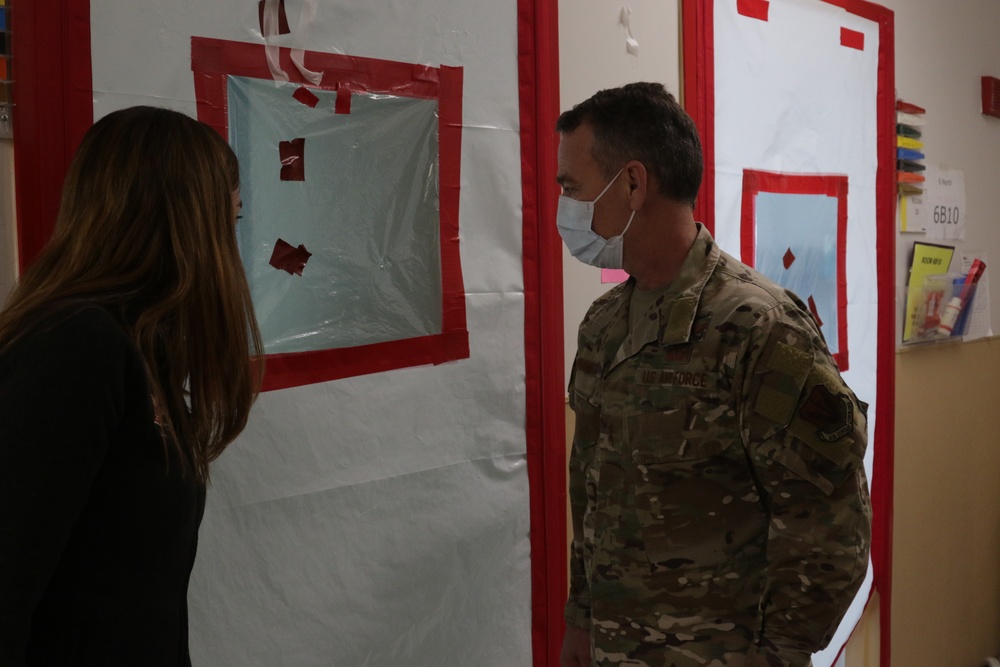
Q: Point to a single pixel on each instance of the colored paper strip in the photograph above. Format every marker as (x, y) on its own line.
(343, 103)
(852, 39)
(755, 9)
(908, 154)
(907, 142)
(613, 276)
(909, 165)
(910, 119)
(907, 107)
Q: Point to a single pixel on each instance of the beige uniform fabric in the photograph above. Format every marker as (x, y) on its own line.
(719, 500)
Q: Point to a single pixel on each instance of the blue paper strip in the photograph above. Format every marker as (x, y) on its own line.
(908, 154)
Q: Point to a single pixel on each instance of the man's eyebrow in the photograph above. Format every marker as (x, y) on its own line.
(563, 179)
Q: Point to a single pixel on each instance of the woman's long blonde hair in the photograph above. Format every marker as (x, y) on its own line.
(146, 229)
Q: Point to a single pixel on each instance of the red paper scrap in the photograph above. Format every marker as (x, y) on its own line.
(282, 26)
(343, 104)
(812, 309)
(852, 39)
(306, 96)
(755, 9)
(288, 258)
(292, 155)
(788, 259)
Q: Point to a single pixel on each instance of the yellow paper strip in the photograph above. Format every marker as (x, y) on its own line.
(906, 142)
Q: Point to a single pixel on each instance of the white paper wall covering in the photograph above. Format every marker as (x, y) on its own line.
(382, 519)
(790, 98)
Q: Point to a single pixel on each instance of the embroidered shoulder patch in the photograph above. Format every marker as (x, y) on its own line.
(831, 414)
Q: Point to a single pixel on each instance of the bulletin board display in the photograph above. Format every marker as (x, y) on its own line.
(774, 206)
(794, 102)
(350, 188)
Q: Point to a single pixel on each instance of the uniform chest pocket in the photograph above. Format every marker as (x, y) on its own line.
(691, 490)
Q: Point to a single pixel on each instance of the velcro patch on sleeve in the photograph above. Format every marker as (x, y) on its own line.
(790, 360)
(774, 405)
(782, 378)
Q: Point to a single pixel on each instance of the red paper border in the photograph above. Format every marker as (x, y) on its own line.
(699, 99)
(213, 60)
(53, 108)
(545, 423)
(755, 182)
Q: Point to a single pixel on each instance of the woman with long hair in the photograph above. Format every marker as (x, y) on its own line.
(129, 359)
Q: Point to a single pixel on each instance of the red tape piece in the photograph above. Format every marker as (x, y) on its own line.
(292, 155)
(814, 311)
(755, 9)
(343, 103)
(852, 39)
(289, 258)
(306, 96)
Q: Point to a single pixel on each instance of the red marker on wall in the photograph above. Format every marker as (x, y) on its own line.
(958, 303)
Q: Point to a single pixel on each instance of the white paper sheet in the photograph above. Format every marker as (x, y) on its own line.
(379, 520)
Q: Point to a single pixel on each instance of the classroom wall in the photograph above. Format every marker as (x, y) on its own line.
(945, 604)
(946, 540)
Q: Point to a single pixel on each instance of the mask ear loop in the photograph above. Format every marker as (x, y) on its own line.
(628, 224)
(608, 186)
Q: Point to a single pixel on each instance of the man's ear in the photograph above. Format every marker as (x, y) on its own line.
(637, 180)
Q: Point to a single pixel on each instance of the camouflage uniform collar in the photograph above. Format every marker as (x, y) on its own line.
(680, 303)
(671, 317)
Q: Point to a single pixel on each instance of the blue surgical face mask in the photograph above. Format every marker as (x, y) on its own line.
(575, 220)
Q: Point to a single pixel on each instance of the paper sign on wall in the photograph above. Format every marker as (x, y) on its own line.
(943, 210)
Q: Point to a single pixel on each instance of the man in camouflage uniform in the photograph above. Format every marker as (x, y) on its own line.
(720, 508)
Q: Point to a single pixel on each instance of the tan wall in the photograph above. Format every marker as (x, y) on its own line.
(946, 541)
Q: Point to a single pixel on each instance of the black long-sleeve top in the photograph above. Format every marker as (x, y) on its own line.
(98, 526)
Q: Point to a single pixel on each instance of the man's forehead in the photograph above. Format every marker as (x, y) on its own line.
(575, 153)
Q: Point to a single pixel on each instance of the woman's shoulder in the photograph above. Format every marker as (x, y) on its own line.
(79, 326)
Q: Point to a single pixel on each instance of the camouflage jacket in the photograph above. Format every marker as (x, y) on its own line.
(719, 500)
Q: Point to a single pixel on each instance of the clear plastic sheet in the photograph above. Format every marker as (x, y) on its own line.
(367, 210)
(812, 271)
